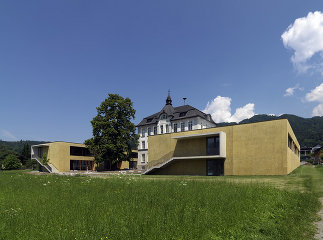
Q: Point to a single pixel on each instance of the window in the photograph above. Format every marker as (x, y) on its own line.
(40, 152)
(290, 142)
(143, 132)
(81, 165)
(190, 125)
(143, 158)
(213, 146)
(149, 120)
(143, 145)
(182, 127)
(182, 114)
(149, 131)
(155, 130)
(167, 128)
(175, 127)
(79, 151)
(161, 129)
(292, 145)
(164, 116)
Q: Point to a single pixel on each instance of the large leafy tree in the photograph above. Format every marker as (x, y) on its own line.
(11, 162)
(113, 131)
(25, 154)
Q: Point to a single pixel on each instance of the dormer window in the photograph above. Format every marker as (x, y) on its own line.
(182, 114)
(163, 116)
(149, 120)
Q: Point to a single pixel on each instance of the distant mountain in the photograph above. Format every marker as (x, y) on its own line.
(309, 131)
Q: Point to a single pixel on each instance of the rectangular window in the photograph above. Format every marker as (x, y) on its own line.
(161, 129)
(143, 132)
(81, 165)
(190, 126)
(182, 127)
(79, 151)
(167, 128)
(149, 131)
(290, 142)
(215, 167)
(175, 127)
(213, 146)
(143, 145)
(143, 158)
(155, 130)
(40, 152)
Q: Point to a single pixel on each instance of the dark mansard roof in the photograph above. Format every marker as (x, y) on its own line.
(177, 113)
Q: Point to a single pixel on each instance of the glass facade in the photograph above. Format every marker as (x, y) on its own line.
(81, 165)
(79, 151)
(213, 145)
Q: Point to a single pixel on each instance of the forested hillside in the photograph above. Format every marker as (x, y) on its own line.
(19, 150)
(17, 146)
(309, 131)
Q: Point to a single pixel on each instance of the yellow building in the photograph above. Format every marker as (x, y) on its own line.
(65, 157)
(263, 148)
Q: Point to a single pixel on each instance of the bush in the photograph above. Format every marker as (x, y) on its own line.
(11, 162)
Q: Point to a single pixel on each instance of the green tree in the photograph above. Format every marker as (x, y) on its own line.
(25, 154)
(4, 152)
(11, 162)
(44, 159)
(113, 131)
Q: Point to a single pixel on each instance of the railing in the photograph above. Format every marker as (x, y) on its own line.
(47, 167)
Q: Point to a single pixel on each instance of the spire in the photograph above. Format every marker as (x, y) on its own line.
(168, 99)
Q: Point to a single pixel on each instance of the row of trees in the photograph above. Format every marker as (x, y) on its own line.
(10, 159)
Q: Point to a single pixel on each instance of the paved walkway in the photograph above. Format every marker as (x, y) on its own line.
(319, 224)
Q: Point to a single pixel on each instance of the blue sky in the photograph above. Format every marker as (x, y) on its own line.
(60, 59)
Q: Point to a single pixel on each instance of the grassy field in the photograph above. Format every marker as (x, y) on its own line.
(161, 207)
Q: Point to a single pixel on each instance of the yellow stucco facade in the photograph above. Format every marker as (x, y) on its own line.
(263, 148)
(62, 158)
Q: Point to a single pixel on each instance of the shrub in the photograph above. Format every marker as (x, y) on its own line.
(11, 162)
(45, 160)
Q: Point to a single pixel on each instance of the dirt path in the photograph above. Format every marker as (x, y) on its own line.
(319, 224)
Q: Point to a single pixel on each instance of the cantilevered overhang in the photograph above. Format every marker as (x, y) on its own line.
(220, 134)
(210, 134)
(41, 145)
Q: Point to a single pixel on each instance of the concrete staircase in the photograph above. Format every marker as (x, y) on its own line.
(48, 167)
(159, 166)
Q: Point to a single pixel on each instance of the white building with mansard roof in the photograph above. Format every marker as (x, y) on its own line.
(169, 119)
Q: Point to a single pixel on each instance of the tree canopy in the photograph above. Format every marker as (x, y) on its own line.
(113, 131)
(11, 162)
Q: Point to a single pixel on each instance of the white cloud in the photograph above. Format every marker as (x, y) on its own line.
(290, 91)
(316, 95)
(305, 37)
(318, 110)
(220, 110)
(7, 135)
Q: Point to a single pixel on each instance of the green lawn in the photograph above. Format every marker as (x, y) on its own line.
(161, 207)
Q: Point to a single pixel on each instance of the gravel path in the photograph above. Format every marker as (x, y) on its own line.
(319, 224)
